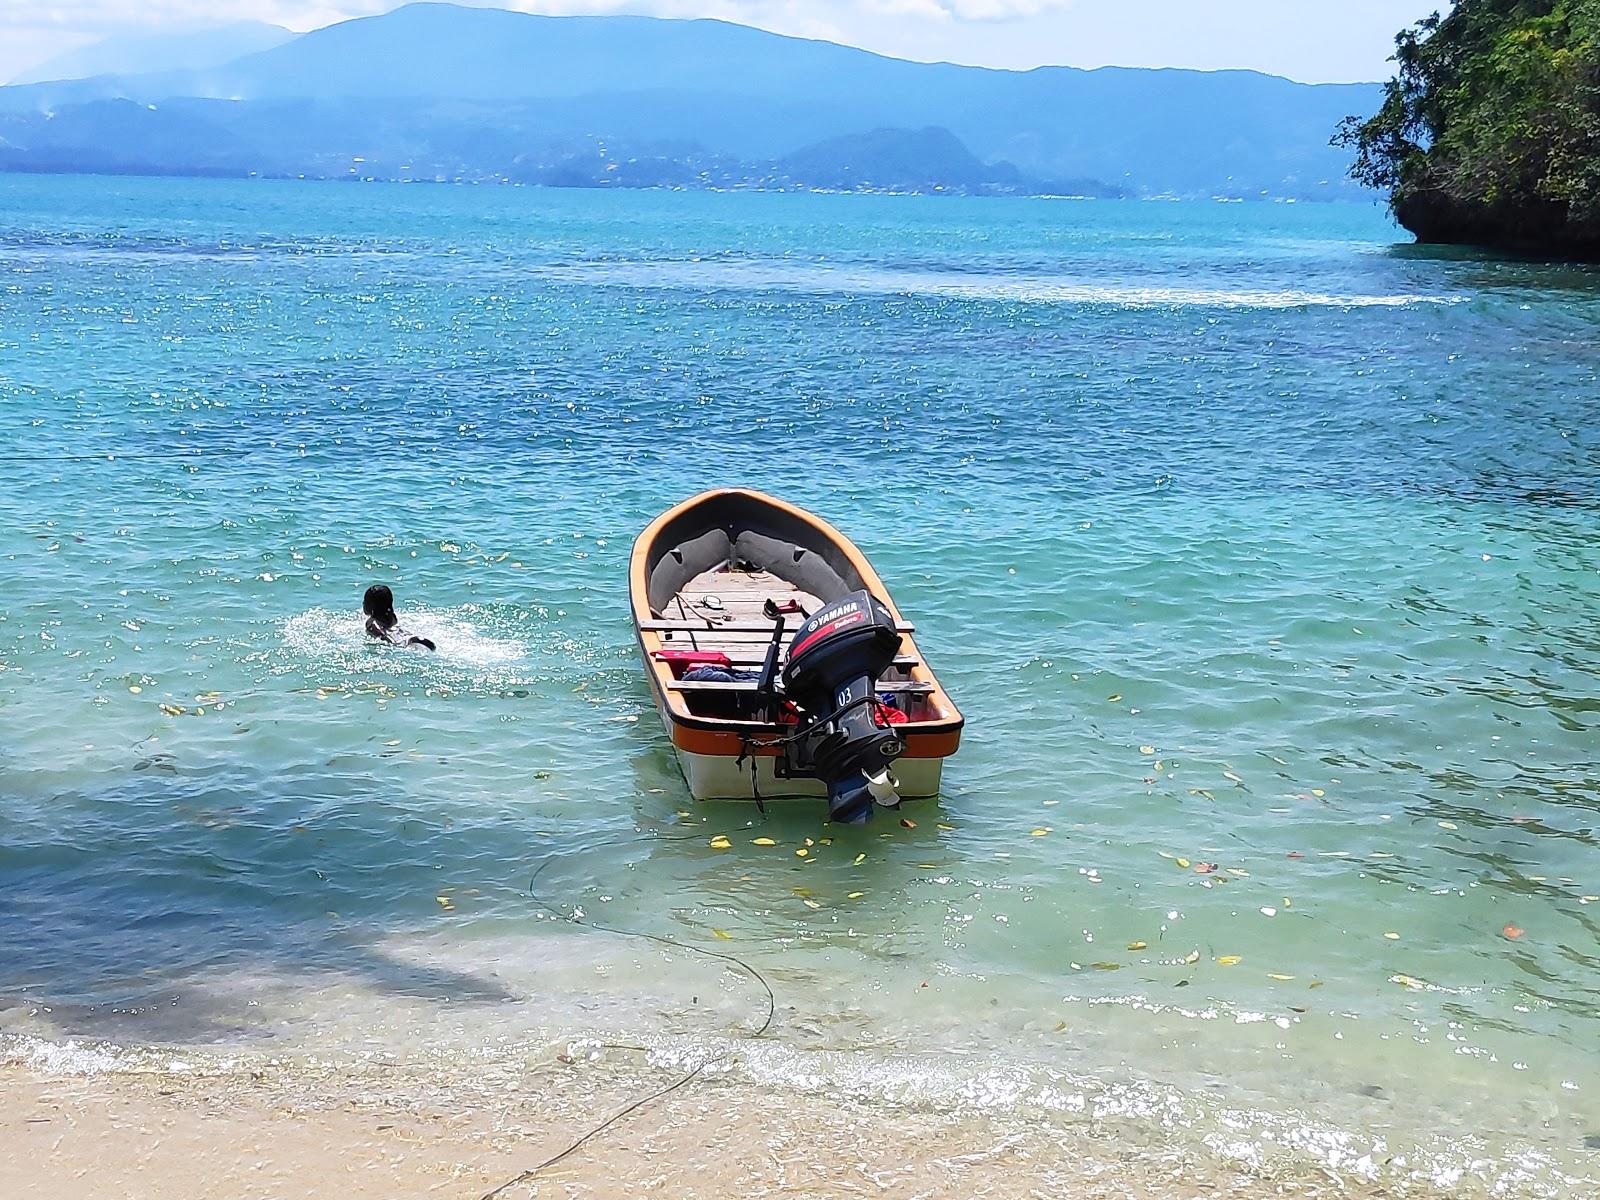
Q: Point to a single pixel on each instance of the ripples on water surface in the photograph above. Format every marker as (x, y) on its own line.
(1242, 536)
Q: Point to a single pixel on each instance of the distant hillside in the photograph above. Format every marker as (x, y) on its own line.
(195, 49)
(898, 160)
(729, 91)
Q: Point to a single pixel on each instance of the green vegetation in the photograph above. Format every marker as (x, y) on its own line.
(1490, 132)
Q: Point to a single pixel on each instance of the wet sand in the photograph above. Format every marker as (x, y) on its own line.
(385, 1132)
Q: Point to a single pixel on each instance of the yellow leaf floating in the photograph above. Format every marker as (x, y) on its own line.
(1183, 862)
(1279, 978)
(855, 895)
(1138, 945)
(1406, 981)
(860, 858)
(1114, 699)
(721, 842)
(1039, 833)
(811, 904)
(723, 934)
(802, 852)
(763, 842)
(1147, 749)
(1230, 960)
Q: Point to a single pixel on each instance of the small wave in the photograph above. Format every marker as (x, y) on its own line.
(340, 636)
(1033, 292)
(1019, 289)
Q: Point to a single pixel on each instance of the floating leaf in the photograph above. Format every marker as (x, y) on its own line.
(907, 823)
(723, 934)
(1232, 776)
(762, 842)
(1192, 957)
(802, 853)
(1114, 699)
(135, 688)
(860, 858)
(1407, 981)
(721, 842)
(1393, 937)
(1106, 966)
(1183, 862)
(1138, 945)
(1147, 749)
(1513, 932)
(1060, 1025)
(1448, 825)
(802, 891)
(811, 904)
(1039, 833)
(1230, 960)
(1279, 978)
(1318, 792)
(854, 895)
(946, 828)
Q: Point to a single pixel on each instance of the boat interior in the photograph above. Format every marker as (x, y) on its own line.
(708, 592)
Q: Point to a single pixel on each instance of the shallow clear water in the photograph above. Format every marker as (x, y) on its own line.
(1242, 536)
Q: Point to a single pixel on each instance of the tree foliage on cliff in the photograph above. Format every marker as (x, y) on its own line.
(1490, 131)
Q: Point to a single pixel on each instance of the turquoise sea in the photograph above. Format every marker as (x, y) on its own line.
(1246, 537)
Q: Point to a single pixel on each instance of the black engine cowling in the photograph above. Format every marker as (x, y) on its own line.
(833, 666)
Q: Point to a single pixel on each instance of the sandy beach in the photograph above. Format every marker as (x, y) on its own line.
(397, 1132)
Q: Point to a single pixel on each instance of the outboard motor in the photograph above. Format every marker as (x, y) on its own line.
(832, 672)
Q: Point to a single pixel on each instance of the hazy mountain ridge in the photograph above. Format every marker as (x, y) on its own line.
(389, 92)
(191, 49)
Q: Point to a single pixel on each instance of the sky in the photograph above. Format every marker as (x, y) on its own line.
(1315, 41)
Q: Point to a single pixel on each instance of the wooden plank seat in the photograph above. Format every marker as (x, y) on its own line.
(728, 627)
(739, 659)
(691, 685)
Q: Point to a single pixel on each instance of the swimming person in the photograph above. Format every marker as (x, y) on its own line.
(383, 624)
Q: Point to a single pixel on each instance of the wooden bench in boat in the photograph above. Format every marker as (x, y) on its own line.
(749, 685)
(710, 626)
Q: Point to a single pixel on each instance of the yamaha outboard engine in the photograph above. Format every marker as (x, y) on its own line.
(832, 671)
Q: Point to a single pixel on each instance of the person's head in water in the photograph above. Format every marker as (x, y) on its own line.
(378, 605)
(382, 621)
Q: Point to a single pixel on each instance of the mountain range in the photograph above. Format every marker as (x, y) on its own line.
(437, 91)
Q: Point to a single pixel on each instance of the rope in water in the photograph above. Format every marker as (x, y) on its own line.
(683, 1080)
